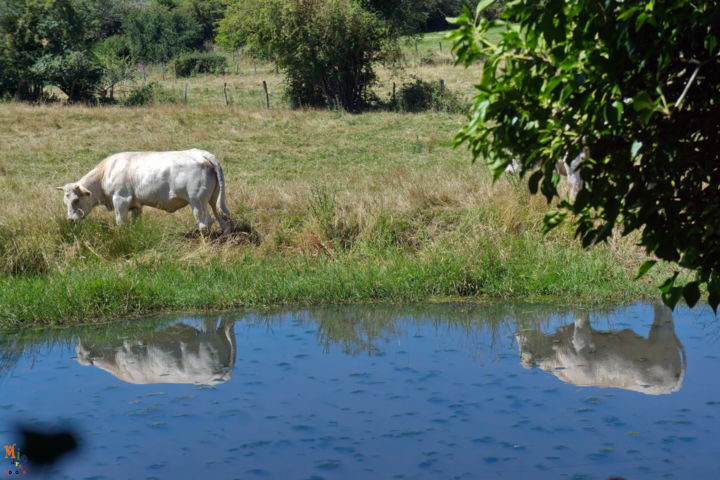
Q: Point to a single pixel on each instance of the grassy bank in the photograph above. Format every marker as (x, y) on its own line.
(343, 208)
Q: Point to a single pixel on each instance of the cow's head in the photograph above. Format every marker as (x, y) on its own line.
(78, 200)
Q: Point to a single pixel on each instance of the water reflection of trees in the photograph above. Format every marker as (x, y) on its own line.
(366, 328)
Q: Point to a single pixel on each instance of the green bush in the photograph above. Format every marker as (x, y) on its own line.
(147, 94)
(157, 34)
(194, 63)
(76, 73)
(327, 48)
(419, 96)
(48, 43)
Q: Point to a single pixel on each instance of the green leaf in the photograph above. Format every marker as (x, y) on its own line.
(691, 293)
(619, 108)
(644, 268)
(642, 101)
(672, 296)
(625, 14)
(668, 283)
(714, 296)
(552, 219)
(533, 181)
(635, 148)
(482, 6)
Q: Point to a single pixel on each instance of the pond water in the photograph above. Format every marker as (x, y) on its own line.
(427, 391)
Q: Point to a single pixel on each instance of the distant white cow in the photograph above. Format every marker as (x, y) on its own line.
(180, 353)
(125, 182)
(571, 170)
(580, 355)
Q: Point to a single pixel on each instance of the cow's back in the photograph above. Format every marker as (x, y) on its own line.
(164, 180)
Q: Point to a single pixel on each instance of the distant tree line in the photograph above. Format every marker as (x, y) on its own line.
(326, 48)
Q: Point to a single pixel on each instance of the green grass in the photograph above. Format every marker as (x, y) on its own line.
(98, 290)
(343, 208)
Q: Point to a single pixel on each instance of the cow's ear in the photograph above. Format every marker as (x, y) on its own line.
(82, 191)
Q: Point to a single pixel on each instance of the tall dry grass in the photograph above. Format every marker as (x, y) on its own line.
(340, 208)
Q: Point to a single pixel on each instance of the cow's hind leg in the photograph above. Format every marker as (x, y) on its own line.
(202, 216)
(222, 220)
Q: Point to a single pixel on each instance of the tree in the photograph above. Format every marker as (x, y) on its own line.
(405, 17)
(637, 84)
(327, 48)
(251, 24)
(157, 34)
(206, 13)
(442, 9)
(77, 74)
(113, 55)
(39, 39)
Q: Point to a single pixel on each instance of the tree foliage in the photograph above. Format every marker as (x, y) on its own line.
(404, 16)
(206, 14)
(251, 24)
(46, 42)
(637, 84)
(157, 34)
(327, 48)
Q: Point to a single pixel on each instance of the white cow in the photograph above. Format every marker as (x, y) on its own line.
(180, 353)
(583, 356)
(570, 170)
(126, 182)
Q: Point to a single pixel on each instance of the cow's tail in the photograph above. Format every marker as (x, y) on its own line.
(220, 208)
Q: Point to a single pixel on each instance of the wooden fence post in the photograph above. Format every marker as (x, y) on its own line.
(185, 97)
(225, 93)
(267, 96)
(442, 85)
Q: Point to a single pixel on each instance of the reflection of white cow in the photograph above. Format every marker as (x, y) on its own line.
(178, 354)
(582, 356)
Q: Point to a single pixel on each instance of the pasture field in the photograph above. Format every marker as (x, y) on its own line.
(333, 208)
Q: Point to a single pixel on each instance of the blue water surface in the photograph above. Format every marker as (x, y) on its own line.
(411, 392)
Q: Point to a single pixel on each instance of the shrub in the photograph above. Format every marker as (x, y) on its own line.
(47, 43)
(157, 34)
(326, 48)
(149, 93)
(419, 96)
(194, 63)
(76, 73)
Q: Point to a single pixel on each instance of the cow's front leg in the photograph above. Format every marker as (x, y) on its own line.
(121, 206)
